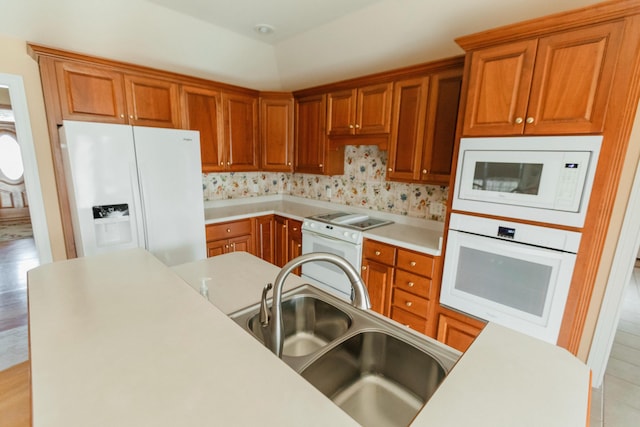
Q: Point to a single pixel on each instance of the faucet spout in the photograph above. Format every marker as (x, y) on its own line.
(360, 294)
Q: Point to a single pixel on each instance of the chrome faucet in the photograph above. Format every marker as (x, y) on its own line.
(360, 296)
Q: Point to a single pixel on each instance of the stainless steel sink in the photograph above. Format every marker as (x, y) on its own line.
(378, 371)
(376, 378)
(309, 324)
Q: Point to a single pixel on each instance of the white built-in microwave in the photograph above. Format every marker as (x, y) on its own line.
(546, 179)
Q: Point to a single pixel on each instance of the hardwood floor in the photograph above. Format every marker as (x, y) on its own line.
(16, 258)
(15, 396)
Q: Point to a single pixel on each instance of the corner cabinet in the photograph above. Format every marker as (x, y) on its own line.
(424, 116)
(276, 132)
(103, 94)
(313, 152)
(558, 84)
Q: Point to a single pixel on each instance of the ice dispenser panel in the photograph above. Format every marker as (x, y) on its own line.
(112, 224)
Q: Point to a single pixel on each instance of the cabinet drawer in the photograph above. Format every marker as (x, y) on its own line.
(408, 319)
(410, 303)
(379, 252)
(418, 285)
(415, 262)
(228, 229)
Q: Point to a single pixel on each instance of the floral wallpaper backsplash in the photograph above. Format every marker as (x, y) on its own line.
(363, 184)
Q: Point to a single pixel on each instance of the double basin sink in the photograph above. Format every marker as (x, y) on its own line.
(377, 371)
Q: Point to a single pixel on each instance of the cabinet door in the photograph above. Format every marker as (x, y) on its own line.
(90, 93)
(440, 130)
(202, 111)
(499, 86)
(341, 112)
(265, 230)
(276, 133)
(295, 242)
(405, 147)
(457, 330)
(152, 102)
(572, 80)
(242, 244)
(281, 241)
(373, 109)
(310, 134)
(378, 278)
(217, 247)
(240, 131)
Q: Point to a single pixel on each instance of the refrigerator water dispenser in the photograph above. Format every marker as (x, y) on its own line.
(112, 224)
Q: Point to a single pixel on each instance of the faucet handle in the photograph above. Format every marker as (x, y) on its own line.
(264, 309)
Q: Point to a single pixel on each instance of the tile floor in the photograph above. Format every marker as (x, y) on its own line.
(617, 402)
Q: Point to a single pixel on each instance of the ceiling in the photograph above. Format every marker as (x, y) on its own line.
(287, 17)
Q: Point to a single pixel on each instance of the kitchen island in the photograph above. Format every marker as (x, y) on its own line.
(120, 339)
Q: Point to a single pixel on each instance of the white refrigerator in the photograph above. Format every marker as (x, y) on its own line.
(132, 186)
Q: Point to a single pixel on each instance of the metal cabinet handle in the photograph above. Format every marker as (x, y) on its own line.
(518, 120)
(299, 245)
(425, 171)
(357, 126)
(530, 120)
(228, 230)
(320, 165)
(412, 263)
(295, 228)
(364, 267)
(350, 126)
(289, 164)
(122, 116)
(408, 303)
(378, 253)
(411, 284)
(390, 170)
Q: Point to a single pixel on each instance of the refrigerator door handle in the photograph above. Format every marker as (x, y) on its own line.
(136, 188)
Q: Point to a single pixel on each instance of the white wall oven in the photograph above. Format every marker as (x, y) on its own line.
(514, 274)
(545, 179)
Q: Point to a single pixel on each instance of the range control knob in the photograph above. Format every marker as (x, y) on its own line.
(345, 234)
(354, 236)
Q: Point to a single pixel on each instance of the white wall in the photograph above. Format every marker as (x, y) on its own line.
(143, 33)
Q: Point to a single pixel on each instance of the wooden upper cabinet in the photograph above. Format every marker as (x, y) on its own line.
(409, 111)
(362, 111)
(440, 128)
(102, 94)
(425, 111)
(202, 111)
(152, 102)
(559, 84)
(241, 131)
(276, 132)
(310, 134)
(90, 93)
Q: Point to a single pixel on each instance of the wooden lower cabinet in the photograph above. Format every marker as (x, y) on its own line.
(287, 241)
(457, 330)
(399, 282)
(265, 237)
(230, 236)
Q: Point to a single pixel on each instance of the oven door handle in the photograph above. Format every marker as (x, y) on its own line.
(322, 236)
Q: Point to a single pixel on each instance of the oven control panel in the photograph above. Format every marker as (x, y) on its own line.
(332, 231)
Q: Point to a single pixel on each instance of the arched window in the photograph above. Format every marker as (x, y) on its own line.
(10, 156)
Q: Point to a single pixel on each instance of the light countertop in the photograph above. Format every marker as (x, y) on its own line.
(417, 234)
(120, 339)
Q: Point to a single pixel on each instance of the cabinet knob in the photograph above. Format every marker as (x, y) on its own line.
(320, 165)
(364, 267)
(408, 303)
(122, 116)
(226, 246)
(411, 284)
(350, 126)
(530, 120)
(295, 228)
(390, 170)
(425, 171)
(412, 263)
(357, 126)
(299, 245)
(378, 253)
(289, 164)
(228, 230)
(131, 117)
(233, 245)
(518, 120)
(228, 163)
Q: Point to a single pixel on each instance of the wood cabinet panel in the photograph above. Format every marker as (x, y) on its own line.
(572, 80)
(295, 243)
(414, 283)
(217, 247)
(265, 238)
(288, 241)
(380, 252)
(341, 112)
(90, 93)
(410, 302)
(456, 330)
(240, 131)
(152, 102)
(242, 244)
(373, 109)
(415, 262)
(310, 140)
(276, 133)
(202, 111)
(379, 279)
(226, 230)
(408, 319)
